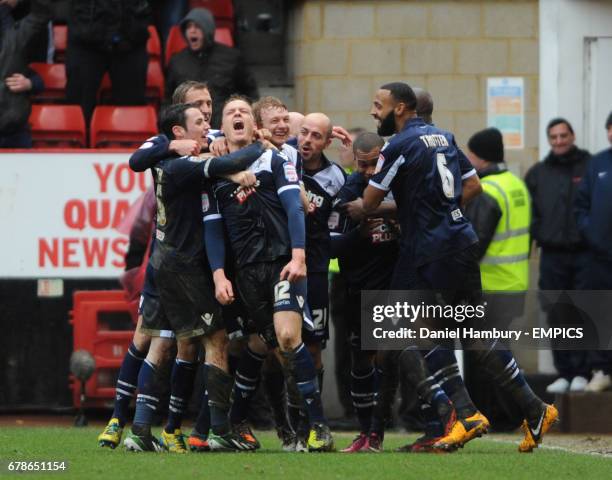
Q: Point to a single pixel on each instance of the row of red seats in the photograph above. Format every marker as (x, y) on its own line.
(54, 78)
(111, 126)
(54, 74)
(175, 42)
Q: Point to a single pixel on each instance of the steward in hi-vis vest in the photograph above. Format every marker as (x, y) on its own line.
(501, 217)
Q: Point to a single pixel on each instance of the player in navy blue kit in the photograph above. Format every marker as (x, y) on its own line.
(154, 149)
(265, 227)
(322, 181)
(424, 169)
(367, 252)
(186, 303)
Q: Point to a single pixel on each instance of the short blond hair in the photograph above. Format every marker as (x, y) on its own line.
(265, 103)
(180, 92)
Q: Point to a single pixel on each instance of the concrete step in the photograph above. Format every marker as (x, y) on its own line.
(585, 412)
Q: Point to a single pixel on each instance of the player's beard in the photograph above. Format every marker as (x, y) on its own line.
(387, 125)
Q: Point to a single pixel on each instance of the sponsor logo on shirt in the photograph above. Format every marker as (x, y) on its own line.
(242, 193)
(314, 201)
(383, 233)
(290, 173)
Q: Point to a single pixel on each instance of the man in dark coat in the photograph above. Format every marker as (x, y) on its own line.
(221, 67)
(552, 184)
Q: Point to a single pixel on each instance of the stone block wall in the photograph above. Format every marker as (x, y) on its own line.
(340, 52)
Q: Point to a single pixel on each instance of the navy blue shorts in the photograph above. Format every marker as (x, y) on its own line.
(264, 294)
(454, 279)
(318, 303)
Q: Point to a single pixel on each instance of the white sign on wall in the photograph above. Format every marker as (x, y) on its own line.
(505, 109)
(60, 212)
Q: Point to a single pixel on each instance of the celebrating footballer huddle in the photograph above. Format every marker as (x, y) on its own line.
(248, 219)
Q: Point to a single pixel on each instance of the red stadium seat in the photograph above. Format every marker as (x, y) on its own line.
(60, 42)
(224, 35)
(176, 41)
(153, 44)
(58, 126)
(155, 83)
(54, 77)
(154, 90)
(118, 126)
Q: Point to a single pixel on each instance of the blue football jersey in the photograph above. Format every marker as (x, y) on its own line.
(424, 169)
(255, 220)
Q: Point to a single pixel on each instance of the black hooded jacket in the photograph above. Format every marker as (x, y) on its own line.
(222, 67)
(553, 184)
(108, 25)
(15, 41)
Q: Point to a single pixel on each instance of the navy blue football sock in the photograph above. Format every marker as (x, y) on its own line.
(387, 382)
(305, 375)
(274, 386)
(433, 426)
(183, 377)
(245, 384)
(443, 365)
(127, 382)
(363, 396)
(501, 367)
(414, 369)
(147, 401)
(202, 423)
(219, 385)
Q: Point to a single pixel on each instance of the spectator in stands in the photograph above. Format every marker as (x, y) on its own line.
(107, 35)
(553, 183)
(221, 67)
(593, 209)
(17, 80)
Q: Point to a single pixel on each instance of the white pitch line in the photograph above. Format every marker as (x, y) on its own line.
(553, 447)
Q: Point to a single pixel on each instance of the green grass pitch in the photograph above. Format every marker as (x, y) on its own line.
(480, 459)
